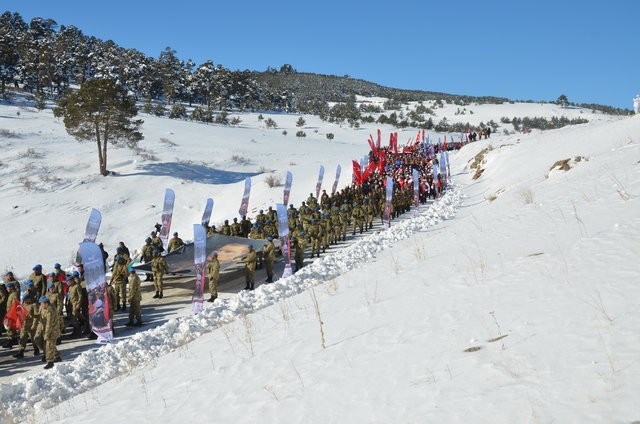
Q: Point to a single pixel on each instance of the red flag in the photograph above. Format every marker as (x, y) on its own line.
(368, 171)
(15, 316)
(395, 143)
(382, 161)
(372, 145)
(357, 172)
(444, 145)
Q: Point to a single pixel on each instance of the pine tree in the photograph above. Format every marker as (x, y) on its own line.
(301, 122)
(100, 111)
(563, 101)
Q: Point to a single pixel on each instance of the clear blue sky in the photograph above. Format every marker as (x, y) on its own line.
(588, 50)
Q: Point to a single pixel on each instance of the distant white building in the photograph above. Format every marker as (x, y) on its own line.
(636, 104)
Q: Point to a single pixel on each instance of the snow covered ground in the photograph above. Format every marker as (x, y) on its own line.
(512, 299)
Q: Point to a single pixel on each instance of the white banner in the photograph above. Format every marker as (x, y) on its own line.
(167, 214)
(99, 316)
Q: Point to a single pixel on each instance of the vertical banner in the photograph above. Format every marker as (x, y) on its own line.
(335, 183)
(96, 291)
(435, 170)
(387, 207)
(287, 187)
(93, 225)
(206, 216)
(319, 184)
(244, 205)
(378, 140)
(285, 240)
(443, 166)
(199, 260)
(446, 154)
(416, 193)
(167, 213)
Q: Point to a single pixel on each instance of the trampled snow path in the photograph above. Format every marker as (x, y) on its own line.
(40, 392)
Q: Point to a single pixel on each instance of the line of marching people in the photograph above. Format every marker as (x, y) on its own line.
(50, 307)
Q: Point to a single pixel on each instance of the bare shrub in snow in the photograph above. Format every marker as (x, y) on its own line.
(527, 195)
(5, 133)
(240, 160)
(273, 180)
(168, 142)
(30, 153)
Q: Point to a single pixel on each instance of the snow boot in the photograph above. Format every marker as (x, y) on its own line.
(247, 287)
(251, 286)
(129, 324)
(212, 299)
(36, 351)
(48, 366)
(19, 355)
(156, 295)
(161, 295)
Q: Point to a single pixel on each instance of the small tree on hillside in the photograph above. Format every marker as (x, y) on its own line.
(100, 111)
(563, 101)
(301, 122)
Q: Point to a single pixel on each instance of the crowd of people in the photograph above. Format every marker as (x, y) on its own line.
(54, 306)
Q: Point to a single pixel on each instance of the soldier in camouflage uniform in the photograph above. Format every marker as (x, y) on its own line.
(159, 268)
(336, 226)
(226, 228)
(261, 219)
(146, 254)
(245, 224)
(39, 279)
(314, 233)
(119, 279)
(75, 300)
(256, 232)
(358, 217)
(272, 214)
(250, 267)
(269, 254)
(11, 297)
(51, 332)
(135, 296)
(156, 241)
(236, 228)
(28, 331)
(325, 223)
(300, 242)
(175, 243)
(213, 273)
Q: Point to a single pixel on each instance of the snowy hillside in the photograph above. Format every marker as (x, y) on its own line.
(514, 298)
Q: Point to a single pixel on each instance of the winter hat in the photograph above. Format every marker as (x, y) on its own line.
(43, 299)
(57, 266)
(215, 254)
(76, 274)
(37, 268)
(29, 283)
(50, 286)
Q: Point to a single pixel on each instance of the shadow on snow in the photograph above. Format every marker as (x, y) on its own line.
(192, 172)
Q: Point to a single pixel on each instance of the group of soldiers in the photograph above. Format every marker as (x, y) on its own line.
(46, 305)
(58, 301)
(41, 304)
